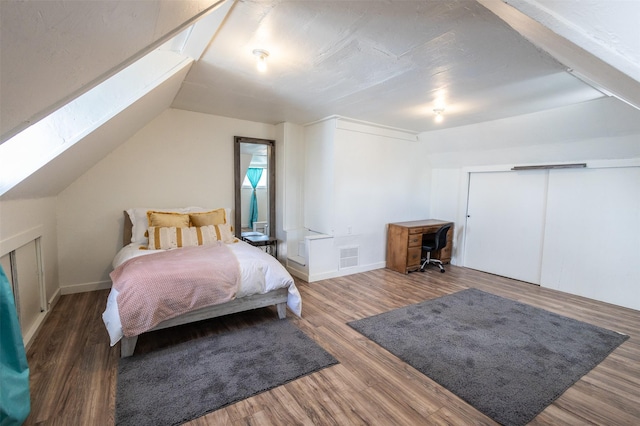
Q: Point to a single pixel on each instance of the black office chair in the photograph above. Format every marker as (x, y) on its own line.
(434, 242)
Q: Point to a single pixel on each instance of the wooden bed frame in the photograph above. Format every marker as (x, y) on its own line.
(276, 297)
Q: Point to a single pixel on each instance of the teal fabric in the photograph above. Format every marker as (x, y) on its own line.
(15, 402)
(253, 174)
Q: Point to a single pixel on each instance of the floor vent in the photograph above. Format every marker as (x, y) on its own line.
(349, 257)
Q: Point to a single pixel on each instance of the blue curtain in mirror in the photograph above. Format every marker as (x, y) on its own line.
(253, 174)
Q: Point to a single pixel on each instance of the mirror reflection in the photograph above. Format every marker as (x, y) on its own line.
(254, 187)
(253, 191)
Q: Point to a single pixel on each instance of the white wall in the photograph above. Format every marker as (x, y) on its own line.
(446, 203)
(180, 158)
(319, 176)
(290, 175)
(601, 129)
(21, 221)
(604, 129)
(601, 133)
(289, 183)
(378, 179)
(362, 177)
(18, 217)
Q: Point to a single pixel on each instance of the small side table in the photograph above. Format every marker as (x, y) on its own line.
(264, 242)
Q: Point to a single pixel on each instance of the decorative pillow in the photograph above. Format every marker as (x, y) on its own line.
(168, 219)
(171, 237)
(213, 217)
(140, 221)
(224, 232)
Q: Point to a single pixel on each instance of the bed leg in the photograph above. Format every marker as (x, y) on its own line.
(282, 310)
(127, 346)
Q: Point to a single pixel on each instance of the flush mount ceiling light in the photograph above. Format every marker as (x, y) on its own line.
(261, 56)
(438, 112)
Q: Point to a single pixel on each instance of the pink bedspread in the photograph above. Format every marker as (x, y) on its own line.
(160, 286)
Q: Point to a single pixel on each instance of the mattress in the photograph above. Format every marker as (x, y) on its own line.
(260, 274)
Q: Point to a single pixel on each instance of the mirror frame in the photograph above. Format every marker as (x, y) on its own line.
(271, 161)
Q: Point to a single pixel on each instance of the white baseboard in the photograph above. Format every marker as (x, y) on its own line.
(82, 288)
(54, 299)
(298, 273)
(30, 335)
(35, 328)
(345, 272)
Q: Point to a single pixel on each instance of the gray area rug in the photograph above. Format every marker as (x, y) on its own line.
(507, 359)
(180, 383)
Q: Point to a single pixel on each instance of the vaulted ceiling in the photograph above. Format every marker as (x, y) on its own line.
(52, 51)
(389, 63)
(386, 62)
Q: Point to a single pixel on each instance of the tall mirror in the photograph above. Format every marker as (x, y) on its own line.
(255, 187)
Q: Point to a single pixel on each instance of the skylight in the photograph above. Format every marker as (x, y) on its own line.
(32, 148)
(41, 142)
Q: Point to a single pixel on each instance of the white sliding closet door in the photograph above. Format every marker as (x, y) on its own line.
(592, 238)
(505, 223)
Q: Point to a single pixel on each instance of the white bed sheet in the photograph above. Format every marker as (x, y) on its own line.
(260, 273)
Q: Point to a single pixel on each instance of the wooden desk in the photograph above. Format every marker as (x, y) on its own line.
(404, 244)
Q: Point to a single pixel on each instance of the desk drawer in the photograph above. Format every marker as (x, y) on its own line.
(415, 240)
(413, 256)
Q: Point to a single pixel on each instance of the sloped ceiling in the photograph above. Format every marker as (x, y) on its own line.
(63, 170)
(609, 30)
(382, 62)
(387, 62)
(53, 50)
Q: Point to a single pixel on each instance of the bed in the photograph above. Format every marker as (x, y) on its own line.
(157, 256)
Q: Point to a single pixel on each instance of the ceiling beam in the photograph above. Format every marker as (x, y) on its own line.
(579, 62)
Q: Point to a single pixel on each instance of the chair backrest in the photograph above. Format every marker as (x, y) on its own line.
(441, 236)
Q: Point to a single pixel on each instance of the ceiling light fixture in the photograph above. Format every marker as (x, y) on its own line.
(438, 112)
(262, 56)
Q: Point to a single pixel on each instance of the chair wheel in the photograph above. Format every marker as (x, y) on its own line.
(442, 270)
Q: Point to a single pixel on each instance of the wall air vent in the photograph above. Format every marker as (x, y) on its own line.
(349, 257)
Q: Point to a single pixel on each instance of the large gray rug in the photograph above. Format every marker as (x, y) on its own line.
(180, 383)
(507, 359)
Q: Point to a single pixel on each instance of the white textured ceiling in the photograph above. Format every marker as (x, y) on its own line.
(379, 61)
(382, 62)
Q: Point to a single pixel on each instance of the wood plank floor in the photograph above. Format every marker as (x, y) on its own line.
(73, 369)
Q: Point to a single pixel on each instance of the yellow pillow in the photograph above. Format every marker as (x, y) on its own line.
(168, 219)
(213, 217)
